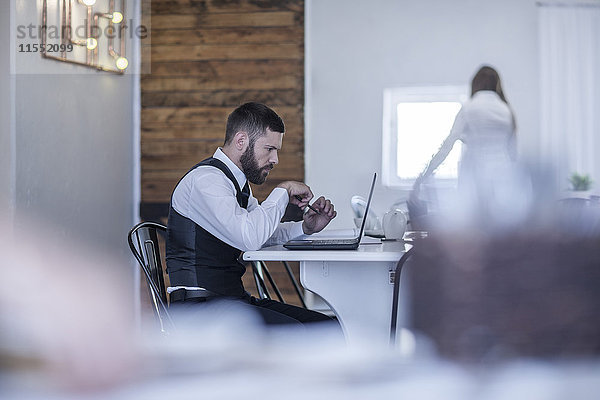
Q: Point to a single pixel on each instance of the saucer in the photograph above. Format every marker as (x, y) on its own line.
(415, 235)
(376, 233)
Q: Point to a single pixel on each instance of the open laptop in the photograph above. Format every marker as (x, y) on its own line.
(333, 244)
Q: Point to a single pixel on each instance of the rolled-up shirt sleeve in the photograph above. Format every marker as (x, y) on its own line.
(209, 200)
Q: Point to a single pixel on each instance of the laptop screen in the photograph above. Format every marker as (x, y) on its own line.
(362, 226)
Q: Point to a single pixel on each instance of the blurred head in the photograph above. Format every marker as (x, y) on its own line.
(253, 136)
(487, 79)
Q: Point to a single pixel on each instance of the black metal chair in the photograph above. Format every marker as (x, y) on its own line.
(143, 242)
(396, 295)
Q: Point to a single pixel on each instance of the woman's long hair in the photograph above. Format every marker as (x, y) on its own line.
(487, 78)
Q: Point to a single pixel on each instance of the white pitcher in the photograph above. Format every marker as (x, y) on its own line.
(394, 224)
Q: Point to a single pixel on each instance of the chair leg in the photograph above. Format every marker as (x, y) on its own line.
(261, 287)
(294, 283)
(271, 281)
(395, 299)
(161, 309)
(156, 296)
(158, 311)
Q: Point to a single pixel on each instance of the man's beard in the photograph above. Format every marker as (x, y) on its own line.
(253, 172)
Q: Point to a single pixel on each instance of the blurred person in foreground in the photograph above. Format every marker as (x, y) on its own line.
(486, 126)
(66, 323)
(213, 218)
(521, 285)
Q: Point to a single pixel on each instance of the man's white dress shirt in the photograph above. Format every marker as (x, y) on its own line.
(207, 197)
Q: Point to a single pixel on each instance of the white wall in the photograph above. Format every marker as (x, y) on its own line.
(6, 101)
(74, 144)
(355, 49)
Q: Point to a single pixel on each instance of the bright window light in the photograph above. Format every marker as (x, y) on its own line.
(422, 127)
(416, 120)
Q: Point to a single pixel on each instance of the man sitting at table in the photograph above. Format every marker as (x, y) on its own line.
(214, 217)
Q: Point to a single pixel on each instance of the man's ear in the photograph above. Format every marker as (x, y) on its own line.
(240, 140)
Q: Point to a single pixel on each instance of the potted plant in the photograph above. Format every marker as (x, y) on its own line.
(580, 185)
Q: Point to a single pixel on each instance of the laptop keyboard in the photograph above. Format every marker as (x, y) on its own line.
(333, 241)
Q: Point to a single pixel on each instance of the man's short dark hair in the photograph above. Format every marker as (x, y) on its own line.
(254, 119)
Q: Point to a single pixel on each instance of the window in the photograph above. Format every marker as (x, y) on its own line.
(416, 120)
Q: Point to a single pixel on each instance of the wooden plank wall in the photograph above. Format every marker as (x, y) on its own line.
(206, 58)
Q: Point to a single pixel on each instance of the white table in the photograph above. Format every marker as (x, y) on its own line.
(355, 283)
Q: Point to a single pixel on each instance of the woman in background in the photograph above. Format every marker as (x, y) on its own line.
(486, 126)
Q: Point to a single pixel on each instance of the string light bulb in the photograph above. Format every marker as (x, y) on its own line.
(122, 63)
(88, 3)
(117, 17)
(91, 43)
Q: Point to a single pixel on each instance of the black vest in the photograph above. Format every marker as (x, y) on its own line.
(197, 258)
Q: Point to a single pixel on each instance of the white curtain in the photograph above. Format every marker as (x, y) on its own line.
(570, 89)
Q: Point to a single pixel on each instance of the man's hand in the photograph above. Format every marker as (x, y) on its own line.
(297, 189)
(314, 222)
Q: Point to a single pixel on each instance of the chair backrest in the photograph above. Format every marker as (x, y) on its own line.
(143, 242)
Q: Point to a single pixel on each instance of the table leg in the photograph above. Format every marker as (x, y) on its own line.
(359, 293)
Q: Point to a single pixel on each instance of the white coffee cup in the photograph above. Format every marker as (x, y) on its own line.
(394, 224)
